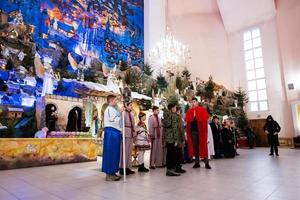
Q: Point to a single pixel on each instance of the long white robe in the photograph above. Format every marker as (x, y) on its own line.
(210, 141)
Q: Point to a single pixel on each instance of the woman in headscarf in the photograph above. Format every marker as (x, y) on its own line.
(272, 129)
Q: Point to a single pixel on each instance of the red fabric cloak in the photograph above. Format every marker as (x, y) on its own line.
(202, 119)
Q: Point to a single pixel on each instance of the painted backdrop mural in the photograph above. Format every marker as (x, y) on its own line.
(111, 30)
(54, 46)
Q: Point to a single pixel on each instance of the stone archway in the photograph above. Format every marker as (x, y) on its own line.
(74, 120)
(51, 117)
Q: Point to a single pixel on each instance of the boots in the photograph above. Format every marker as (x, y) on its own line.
(207, 166)
(196, 165)
(127, 171)
(171, 173)
(142, 168)
(112, 177)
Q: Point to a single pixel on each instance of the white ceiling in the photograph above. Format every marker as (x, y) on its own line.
(183, 7)
(239, 14)
(236, 14)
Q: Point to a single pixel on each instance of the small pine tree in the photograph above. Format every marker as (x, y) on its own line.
(147, 69)
(186, 74)
(242, 98)
(124, 66)
(179, 84)
(161, 82)
(209, 89)
(133, 78)
(242, 120)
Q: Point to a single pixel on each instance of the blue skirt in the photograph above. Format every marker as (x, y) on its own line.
(111, 150)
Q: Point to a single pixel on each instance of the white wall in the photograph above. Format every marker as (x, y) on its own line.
(206, 37)
(278, 105)
(288, 27)
(220, 54)
(154, 23)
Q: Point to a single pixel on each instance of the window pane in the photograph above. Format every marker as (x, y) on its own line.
(253, 96)
(261, 84)
(247, 35)
(248, 55)
(262, 95)
(257, 53)
(251, 85)
(253, 106)
(255, 33)
(260, 73)
(259, 63)
(250, 64)
(248, 45)
(263, 105)
(256, 42)
(251, 75)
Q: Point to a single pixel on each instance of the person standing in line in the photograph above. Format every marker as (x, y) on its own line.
(112, 140)
(228, 140)
(142, 141)
(130, 136)
(235, 135)
(216, 129)
(182, 133)
(197, 133)
(173, 141)
(210, 143)
(157, 155)
(272, 129)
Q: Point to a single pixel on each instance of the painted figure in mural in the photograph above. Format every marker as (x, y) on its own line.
(197, 133)
(130, 136)
(173, 140)
(157, 156)
(48, 82)
(272, 129)
(112, 140)
(142, 141)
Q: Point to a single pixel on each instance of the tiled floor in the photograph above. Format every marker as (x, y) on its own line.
(252, 176)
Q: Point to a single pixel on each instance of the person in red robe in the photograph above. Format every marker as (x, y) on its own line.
(197, 132)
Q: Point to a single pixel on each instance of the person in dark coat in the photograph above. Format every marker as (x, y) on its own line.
(272, 129)
(216, 129)
(228, 140)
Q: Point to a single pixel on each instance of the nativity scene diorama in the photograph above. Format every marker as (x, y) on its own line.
(57, 68)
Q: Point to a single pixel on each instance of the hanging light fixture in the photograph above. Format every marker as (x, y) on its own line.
(169, 54)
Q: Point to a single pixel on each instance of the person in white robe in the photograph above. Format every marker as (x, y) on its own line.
(210, 143)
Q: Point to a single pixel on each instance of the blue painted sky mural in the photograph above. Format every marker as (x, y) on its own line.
(111, 30)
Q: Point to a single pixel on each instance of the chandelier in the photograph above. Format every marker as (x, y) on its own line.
(169, 54)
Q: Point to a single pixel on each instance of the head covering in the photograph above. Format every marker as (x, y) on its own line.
(142, 114)
(270, 118)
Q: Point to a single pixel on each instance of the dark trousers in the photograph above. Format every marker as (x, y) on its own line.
(195, 140)
(173, 156)
(272, 148)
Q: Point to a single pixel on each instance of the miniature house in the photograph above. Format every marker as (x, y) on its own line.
(14, 113)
